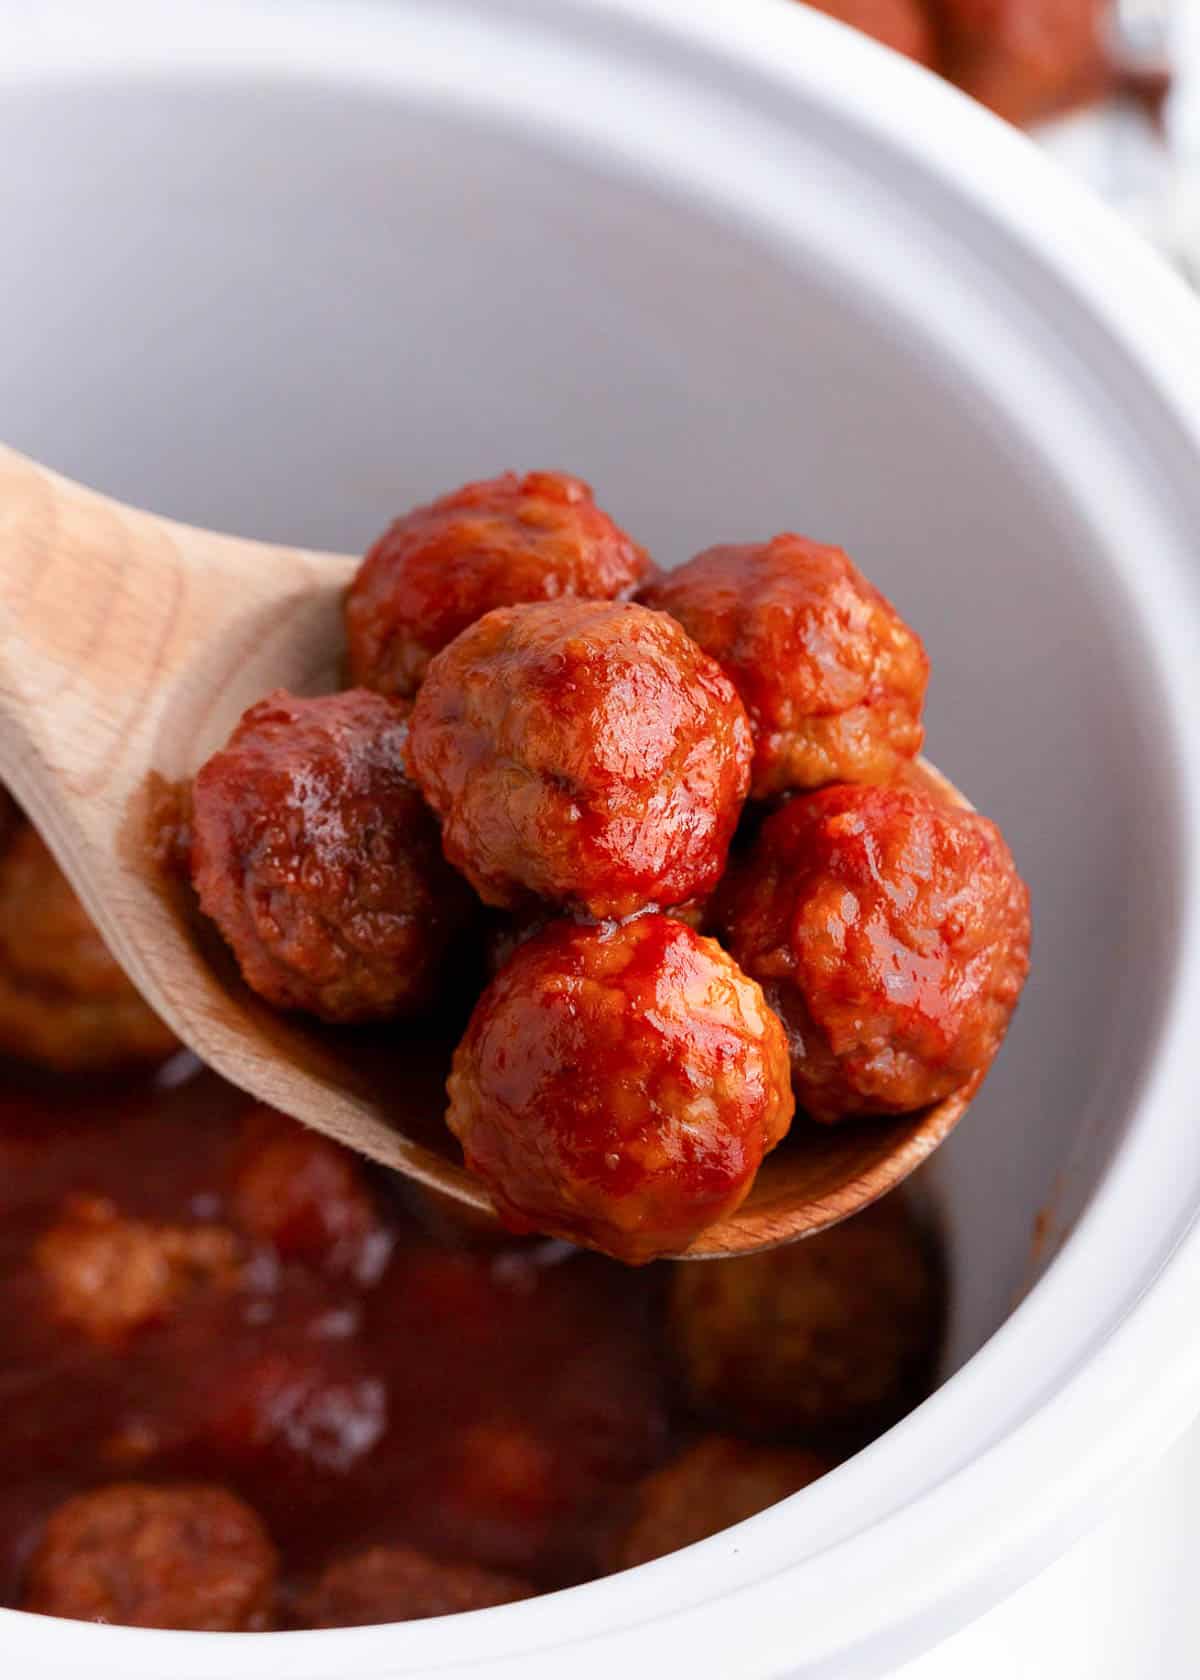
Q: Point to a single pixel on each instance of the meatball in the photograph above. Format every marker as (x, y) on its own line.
(1026, 59)
(492, 544)
(832, 678)
(187, 1557)
(316, 858)
(903, 25)
(400, 1584)
(64, 1002)
(618, 1086)
(109, 1276)
(306, 1196)
(295, 1413)
(830, 1339)
(890, 930)
(582, 752)
(714, 1484)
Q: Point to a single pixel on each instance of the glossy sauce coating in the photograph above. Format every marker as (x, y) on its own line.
(832, 679)
(398, 1404)
(619, 1085)
(825, 1341)
(320, 864)
(891, 933)
(582, 752)
(64, 1002)
(496, 543)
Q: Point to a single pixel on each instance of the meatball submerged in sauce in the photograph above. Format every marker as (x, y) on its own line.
(619, 1086)
(824, 1341)
(582, 752)
(190, 1557)
(492, 544)
(890, 930)
(318, 861)
(64, 1002)
(832, 678)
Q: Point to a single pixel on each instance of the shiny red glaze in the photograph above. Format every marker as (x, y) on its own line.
(832, 679)
(587, 753)
(64, 1002)
(191, 1557)
(491, 544)
(891, 932)
(619, 1086)
(316, 858)
(348, 1410)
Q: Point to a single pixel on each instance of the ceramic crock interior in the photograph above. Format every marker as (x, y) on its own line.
(292, 313)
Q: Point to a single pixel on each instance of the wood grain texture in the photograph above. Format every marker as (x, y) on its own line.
(129, 646)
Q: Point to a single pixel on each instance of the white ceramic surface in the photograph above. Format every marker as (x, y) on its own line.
(289, 269)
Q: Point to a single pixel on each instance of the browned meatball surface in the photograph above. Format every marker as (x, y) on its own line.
(109, 1276)
(827, 1339)
(306, 1196)
(1026, 59)
(583, 752)
(708, 1488)
(65, 1004)
(316, 858)
(832, 678)
(619, 1086)
(890, 930)
(540, 537)
(189, 1557)
(401, 1584)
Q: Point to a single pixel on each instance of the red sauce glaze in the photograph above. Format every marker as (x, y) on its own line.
(583, 752)
(400, 1584)
(319, 862)
(832, 679)
(891, 932)
(491, 544)
(619, 1085)
(489, 1407)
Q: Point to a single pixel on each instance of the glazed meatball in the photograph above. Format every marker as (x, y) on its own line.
(1026, 59)
(903, 25)
(829, 1339)
(582, 752)
(618, 1086)
(293, 1413)
(400, 1584)
(64, 1003)
(711, 1486)
(306, 1196)
(508, 932)
(832, 678)
(493, 544)
(890, 930)
(109, 1276)
(316, 858)
(187, 1557)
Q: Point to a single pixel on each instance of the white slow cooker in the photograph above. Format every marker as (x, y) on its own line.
(290, 268)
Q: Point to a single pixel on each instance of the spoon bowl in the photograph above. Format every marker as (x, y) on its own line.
(129, 645)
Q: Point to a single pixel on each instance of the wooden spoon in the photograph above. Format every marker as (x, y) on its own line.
(129, 647)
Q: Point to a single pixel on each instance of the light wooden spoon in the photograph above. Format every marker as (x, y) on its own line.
(129, 646)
